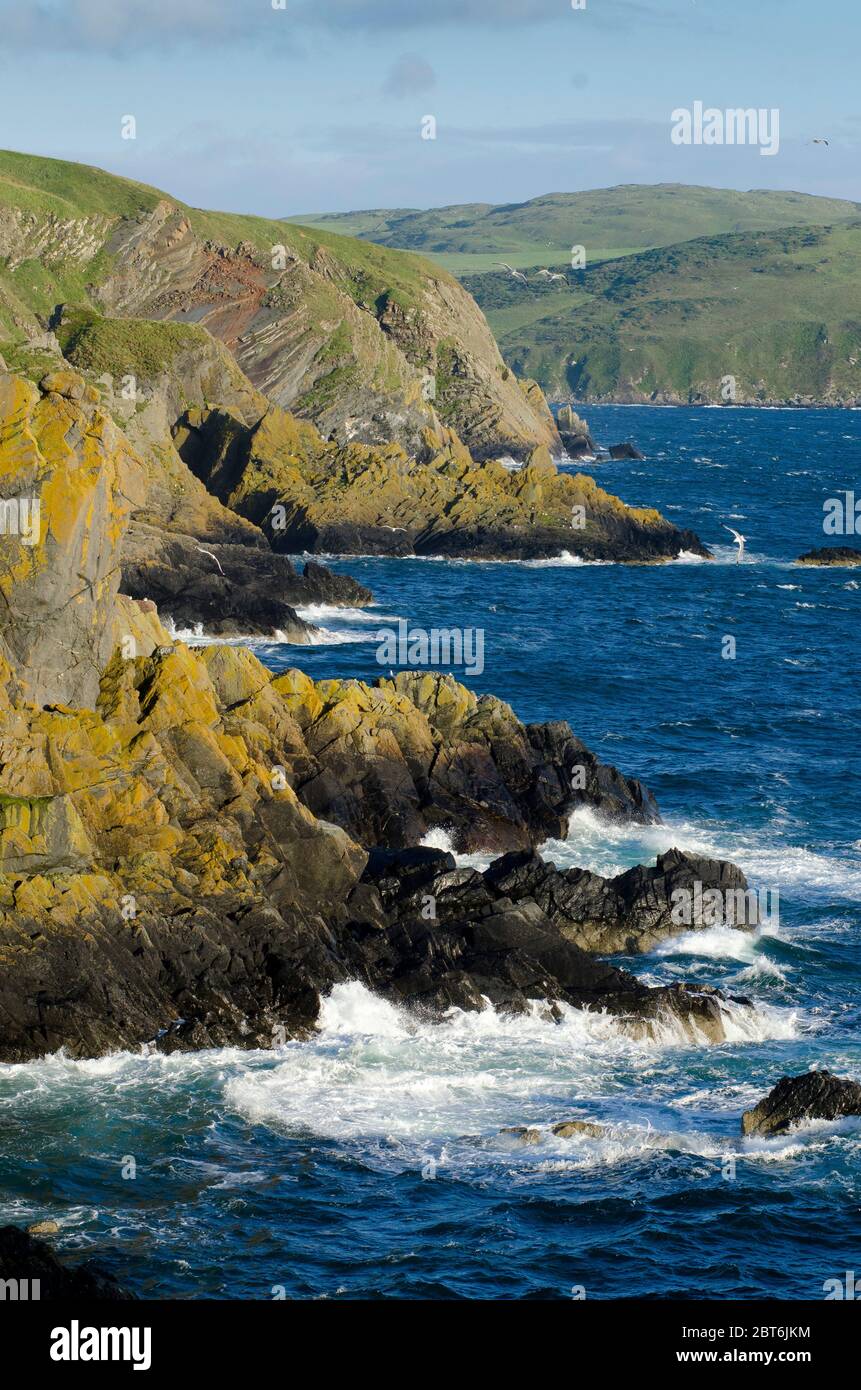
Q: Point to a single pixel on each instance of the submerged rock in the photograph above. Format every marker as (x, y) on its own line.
(570, 1129)
(815, 1095)
(625, 451)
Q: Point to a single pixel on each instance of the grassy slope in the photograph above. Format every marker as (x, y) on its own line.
(609, 222)
(32, 184)
(781, 311)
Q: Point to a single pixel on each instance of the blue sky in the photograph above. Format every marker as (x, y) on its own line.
(317, 106)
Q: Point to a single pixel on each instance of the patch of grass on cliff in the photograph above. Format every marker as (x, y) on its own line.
(140, 347)
(28, 362)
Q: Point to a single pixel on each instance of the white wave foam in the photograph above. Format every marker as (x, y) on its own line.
(689, 557)
(608, 848)
(326, 612)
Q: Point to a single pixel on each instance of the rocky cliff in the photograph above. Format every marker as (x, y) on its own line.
(185, 839)
(372, 345)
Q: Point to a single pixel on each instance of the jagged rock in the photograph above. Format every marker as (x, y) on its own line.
(625, 451)
(815, 1095)
(632, 912)
(575, 434)
(22, 1257)
(319, 496)
(229, 589)
(831, 555)
(393, 761)
(456, 940)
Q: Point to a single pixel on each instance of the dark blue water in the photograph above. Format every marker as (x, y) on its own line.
(369, 1162)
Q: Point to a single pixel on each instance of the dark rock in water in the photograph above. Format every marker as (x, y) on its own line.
(575, 434)
(457, 938)
(23, 1258)
(815, 1095)
(568, 1129)
(232, 590)
(633, 911)
(831, 555)
(625, 451)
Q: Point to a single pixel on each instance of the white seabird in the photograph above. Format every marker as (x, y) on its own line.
(740, 542)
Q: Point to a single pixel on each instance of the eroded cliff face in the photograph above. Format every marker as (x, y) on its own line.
(184, 839)
(348, 346)
(372, 345)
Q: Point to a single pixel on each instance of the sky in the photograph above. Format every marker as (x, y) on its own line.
(281, 107)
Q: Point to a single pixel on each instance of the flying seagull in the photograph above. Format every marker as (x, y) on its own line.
(821, 142)
(515, 274)
(739, 540)
(545, 274)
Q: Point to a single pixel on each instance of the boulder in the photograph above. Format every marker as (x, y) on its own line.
(815, 1095)
(625, 451)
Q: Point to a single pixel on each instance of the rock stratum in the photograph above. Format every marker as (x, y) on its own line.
(372, 345)
(287, 389)
(189, 844)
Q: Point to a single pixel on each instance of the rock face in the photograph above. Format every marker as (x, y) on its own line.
(233, 590)
(831, 555)
(631, 913)
(372, 345)
(575, 434)
(22, 1257)
(65, 470)
(315, 496)
(394, 761)
(815, 1095)
(183, 837)
(481, 945)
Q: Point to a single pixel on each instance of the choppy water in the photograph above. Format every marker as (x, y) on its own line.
(369, 1161)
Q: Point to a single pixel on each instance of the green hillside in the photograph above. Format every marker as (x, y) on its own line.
(780, 311)
(56, 189)
(609, 222)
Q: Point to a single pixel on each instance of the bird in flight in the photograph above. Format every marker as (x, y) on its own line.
(821, 142)
(740, 542)
(515, 274)
(545, 274)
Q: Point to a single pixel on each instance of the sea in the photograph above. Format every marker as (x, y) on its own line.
(370, 1162)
